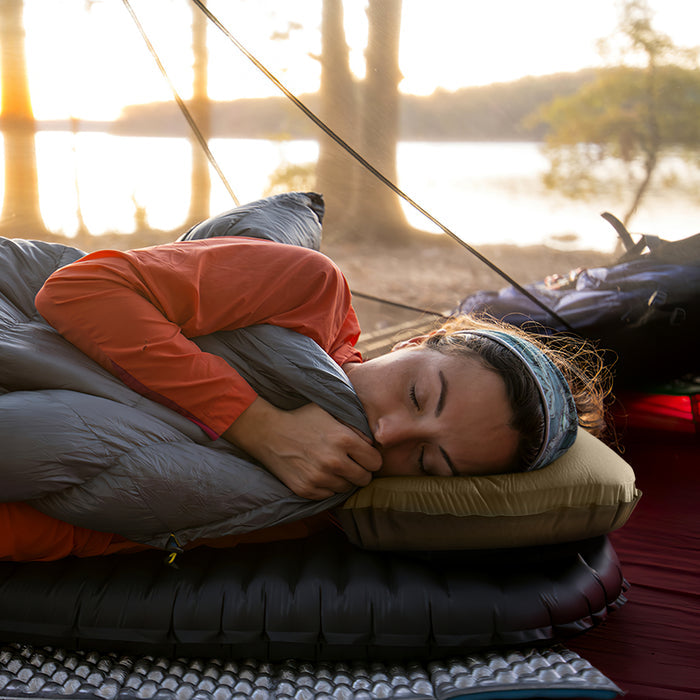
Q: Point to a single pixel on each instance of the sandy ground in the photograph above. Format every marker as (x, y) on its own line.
(436, 276)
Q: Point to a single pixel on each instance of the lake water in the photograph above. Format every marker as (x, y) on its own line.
(484, 192)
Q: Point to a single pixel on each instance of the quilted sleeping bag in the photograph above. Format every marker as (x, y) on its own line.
(80, 446)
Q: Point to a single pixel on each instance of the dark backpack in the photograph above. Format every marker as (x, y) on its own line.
(643, 310)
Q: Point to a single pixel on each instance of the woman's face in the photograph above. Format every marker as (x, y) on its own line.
(435, 413)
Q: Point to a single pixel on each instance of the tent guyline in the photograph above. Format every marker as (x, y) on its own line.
(340, 141)
(351, 151)
(181, 104)
(210, 156)
(399, 305)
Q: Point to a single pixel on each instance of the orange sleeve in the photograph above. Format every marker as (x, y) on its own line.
(135, 313)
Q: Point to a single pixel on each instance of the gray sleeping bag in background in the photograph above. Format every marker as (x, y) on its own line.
(81, 446)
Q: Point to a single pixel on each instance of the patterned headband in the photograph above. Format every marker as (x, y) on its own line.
(560, 417)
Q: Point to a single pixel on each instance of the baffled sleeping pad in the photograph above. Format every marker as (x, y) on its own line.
(314, 598)
(82, 447)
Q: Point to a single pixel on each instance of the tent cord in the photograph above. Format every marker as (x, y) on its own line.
(324, 127)
(203, 143)
(399, 305)
(181, 104)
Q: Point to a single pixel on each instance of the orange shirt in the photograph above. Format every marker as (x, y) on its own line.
(134, 313)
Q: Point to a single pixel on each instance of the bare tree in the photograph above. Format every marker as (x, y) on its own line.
(20, 209)
(201, 112)
(335, 170)
(375, 204)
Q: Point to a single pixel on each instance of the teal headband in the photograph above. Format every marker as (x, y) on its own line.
(558, 407)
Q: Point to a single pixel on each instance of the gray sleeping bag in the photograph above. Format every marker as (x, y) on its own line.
(82, 447)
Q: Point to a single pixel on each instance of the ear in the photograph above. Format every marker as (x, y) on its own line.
(411, 342)
(417, 340)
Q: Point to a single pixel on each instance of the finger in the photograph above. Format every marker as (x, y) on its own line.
(352, 473)
(320, 494)
(343, 480)
(360, 434)
(362, 478)
(366, 456)
(309, 488)
(322, 483)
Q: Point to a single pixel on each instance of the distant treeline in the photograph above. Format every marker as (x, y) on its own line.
(485, 113)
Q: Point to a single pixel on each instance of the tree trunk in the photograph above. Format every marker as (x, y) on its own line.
(649, 167)
(336, 170)
(652, 142)
(376, 207)
(20, 210)
(201, 113)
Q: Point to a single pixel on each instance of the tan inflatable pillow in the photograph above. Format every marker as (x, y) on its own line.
(587, 492)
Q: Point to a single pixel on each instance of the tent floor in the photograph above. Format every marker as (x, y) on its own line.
(651, 647)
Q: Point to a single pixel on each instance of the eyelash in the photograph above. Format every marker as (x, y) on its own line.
(414, 400)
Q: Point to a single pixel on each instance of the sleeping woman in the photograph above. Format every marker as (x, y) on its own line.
(471, 398)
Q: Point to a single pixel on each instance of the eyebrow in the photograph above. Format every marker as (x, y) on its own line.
(438, 411)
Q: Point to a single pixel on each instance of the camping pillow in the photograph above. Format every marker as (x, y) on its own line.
(587, 492)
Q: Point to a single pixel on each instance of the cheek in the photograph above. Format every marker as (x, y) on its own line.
(490, 451)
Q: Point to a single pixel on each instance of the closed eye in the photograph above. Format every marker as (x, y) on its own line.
(414, 400)
(421, 465)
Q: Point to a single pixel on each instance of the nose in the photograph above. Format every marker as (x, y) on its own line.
(392, 430)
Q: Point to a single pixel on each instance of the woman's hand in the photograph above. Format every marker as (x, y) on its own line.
(307, 449)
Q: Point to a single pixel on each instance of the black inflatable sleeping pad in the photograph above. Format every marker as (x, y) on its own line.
(317, 598)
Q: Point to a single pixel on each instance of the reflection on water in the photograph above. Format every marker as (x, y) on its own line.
(484, 192)
(109, 176)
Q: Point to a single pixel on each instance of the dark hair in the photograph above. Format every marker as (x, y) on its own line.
(579, 362)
